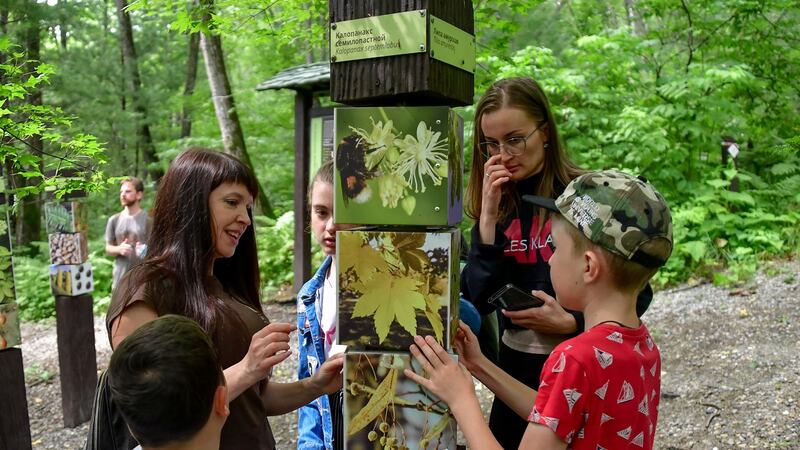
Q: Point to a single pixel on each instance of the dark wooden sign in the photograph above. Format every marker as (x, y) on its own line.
(408, 79)
(14, 424)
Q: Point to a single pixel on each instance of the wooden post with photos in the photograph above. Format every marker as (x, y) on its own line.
(398, 175)
(14, 422)
(72, 281)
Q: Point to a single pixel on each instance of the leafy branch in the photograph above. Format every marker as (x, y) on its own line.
(20, 121)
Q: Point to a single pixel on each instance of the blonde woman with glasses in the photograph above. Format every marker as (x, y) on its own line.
(517, 151)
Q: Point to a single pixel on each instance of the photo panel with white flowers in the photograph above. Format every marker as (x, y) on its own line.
(398, 166)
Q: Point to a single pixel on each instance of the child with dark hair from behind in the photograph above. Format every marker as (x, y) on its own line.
(600, 389)
(169, 387)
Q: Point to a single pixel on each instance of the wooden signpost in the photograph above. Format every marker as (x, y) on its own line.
(387, 52)
(72, 281)
(398, 163)
(14, 423)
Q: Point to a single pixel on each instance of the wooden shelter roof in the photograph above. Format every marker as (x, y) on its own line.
(307, 77)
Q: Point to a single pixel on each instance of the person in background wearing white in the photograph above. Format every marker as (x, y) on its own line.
(128, 230)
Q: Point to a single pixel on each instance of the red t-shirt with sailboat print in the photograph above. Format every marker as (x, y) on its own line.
(600, 389)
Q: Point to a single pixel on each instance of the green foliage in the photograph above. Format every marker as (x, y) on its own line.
(656, 98)
(20, 121)
(718, 229)
(35, 374)
(651, 89)
(33, 286)
(275, 240)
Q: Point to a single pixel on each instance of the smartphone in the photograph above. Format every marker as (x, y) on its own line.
(512, 298)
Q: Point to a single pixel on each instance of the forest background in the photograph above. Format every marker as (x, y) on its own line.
(112, 88)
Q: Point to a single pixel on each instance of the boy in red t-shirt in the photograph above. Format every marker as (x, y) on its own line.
(599, 390)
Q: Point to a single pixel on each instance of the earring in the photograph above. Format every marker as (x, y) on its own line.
(546, 146)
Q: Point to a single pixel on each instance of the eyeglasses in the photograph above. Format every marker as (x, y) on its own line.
(514, 146)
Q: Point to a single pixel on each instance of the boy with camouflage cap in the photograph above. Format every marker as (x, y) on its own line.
(600, 389)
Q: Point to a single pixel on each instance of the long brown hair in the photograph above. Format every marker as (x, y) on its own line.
(525, 94)
(181, 246)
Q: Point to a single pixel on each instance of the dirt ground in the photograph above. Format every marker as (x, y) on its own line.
(730, 379)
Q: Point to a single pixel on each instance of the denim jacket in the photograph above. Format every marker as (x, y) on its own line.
(314, 423)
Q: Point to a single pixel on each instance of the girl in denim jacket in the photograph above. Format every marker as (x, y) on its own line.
(319, 422)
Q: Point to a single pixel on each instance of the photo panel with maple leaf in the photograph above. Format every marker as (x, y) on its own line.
(385, 409)
(394, 285)
(398, 166)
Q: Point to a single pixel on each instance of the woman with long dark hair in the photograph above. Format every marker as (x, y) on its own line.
(201, 263)
(517, 151)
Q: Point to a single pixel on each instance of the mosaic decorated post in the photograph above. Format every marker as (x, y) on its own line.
(9, 319)
(71, 282)
(70, 272)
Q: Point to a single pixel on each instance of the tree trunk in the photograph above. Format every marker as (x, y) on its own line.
(611, 17)
(62, 24)
(224, 106)
(131, 65)
(29, 220)
(6, 140)
(634, 19)
(117, 131)
(191, 79)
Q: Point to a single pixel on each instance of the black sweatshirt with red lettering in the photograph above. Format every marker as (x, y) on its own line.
(520, 256)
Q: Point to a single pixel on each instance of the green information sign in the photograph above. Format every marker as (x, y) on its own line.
(379, 36)
(452, 45)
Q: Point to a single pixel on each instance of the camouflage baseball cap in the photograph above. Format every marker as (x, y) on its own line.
(618, 212)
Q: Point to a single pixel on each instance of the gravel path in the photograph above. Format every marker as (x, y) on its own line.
(730, 358)
(730, 361)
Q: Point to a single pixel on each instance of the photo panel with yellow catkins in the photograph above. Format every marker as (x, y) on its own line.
(398, 166)
(394, 285)
(384, 409)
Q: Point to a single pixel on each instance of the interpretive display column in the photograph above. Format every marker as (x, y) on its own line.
(398, 180)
